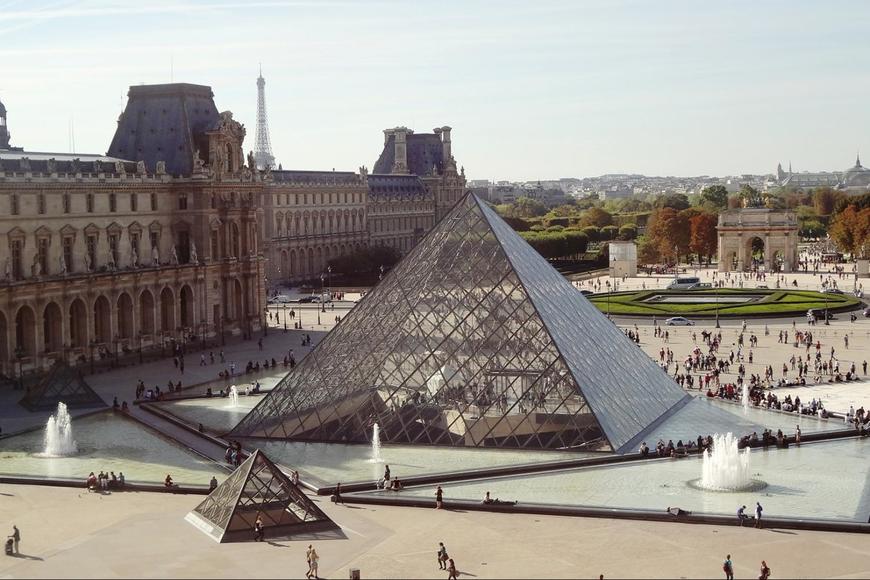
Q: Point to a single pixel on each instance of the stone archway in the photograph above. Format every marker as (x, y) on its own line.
(78, 324)
(755, 254)
(102, 320)
(25, 331)
(167, 310)
(52, 328)
(186, 306)
(125, 316)
(146, 312)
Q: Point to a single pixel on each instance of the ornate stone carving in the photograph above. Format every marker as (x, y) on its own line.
(24, 163)
(110, 261)
(7, 272)
(155, 256)
(76, 165)
(62, 263)
(98, 166)
(88, 263)
(134, 258)
(161, 168)
(173, 256)
(119, 168)
(36, 267)
(52, 165)
(140, 168)
(198, 163)
(194, 258)
(364, 174)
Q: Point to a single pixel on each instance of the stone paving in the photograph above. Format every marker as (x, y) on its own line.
(69, 533)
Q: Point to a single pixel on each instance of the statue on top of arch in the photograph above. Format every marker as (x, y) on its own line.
(752, 198)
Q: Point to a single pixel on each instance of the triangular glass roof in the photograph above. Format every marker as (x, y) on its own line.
(62, 384)
(256, 488)
(473, 339)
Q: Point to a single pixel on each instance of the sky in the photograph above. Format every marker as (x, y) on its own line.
(536, 89)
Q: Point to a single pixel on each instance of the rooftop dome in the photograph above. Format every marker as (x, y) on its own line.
(856, 175)
(2, 110)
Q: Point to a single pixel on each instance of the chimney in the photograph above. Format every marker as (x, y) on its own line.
(446, 152)
(400, 155)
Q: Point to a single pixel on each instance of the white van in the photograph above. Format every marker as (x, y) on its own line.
(687, 283)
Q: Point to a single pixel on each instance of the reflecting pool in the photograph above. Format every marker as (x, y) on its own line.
(108, 442)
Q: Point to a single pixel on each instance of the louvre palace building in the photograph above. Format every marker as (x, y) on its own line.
(174, 235)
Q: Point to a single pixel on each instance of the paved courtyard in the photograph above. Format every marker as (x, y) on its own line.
(69, 533)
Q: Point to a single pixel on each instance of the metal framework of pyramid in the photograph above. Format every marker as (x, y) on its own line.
(62, 384)
(257, 487)
(474, 340)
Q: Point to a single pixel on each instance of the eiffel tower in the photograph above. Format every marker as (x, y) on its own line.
(263, 147)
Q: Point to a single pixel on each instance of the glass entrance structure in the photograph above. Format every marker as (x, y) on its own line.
(473, 339)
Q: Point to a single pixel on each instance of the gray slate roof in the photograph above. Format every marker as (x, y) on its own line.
(424, 151)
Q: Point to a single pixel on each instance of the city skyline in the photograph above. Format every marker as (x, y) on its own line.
(625, 88)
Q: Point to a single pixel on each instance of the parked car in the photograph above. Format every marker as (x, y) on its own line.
(684, 283)
(833, 291)
(816, 314)
(307, 299)
(867, 312)
(679, 321)
(587, 292)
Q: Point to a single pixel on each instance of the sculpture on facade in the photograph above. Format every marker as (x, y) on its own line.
(36, 267)
(119, 168)
(155, 256)
(98, 166)
(198, 163)
(62, 263)
(173, 256)
(7, 272)
(110, 261)
(160, 168)
(134, 258)
(194, 258)
(51, 164)
(88, 263)
(140, 168)
(25, 163)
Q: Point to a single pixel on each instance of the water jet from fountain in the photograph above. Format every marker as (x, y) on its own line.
(234, 397)
(726, 468)
(58, 441)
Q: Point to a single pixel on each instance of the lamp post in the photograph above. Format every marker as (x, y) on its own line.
(284, 310)
(19, 356)
(825, 314)
(321, 299)
(265, 320)
(717, 307)
(381, 274)
(91, 344)
(221, 324)
(139, 335)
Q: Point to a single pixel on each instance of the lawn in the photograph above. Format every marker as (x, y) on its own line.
(774, 303)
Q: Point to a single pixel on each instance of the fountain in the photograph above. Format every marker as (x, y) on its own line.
(234, 397)
(745, 395)
(726, 468)
(376, 445)
(58, 434)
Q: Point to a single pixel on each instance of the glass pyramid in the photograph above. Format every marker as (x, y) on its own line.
(473, 339)
(62, 384)
(257, 488)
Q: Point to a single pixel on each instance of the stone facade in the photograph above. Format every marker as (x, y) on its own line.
(104, 255)
(312, 217)
(776, 230)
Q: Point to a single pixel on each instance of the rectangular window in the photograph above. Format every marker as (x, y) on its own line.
(153, 202)
(90, 202)
(13, 204)
(113, 248)
(40, 203)
(182, 201)
(66, 205)
(68, 253)
(42, 254)
(91, 243)
(113, 202)
(15, 249)
(183, 247)
(134, 202)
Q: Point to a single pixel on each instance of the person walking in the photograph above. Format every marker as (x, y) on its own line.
(442, 556)
(16, 538)
(439, 498)
(728, 568)
(312, 557)
(765, 571)
(337, 495)
(758, 510)
(451, 570)
(259, 533)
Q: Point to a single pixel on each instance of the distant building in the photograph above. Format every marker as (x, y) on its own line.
(853, 180)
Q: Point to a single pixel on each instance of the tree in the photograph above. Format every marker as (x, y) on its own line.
(677, 201)
(593, 234)
(669, 229)
(528, 207)
(812, 228)
(825, 199)
(647, 251)
(703, 239)
(750, 196)
(716, 196)
(595, 216)
(365, 260)
(850, 230)
(628, 232)
(609, 232)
